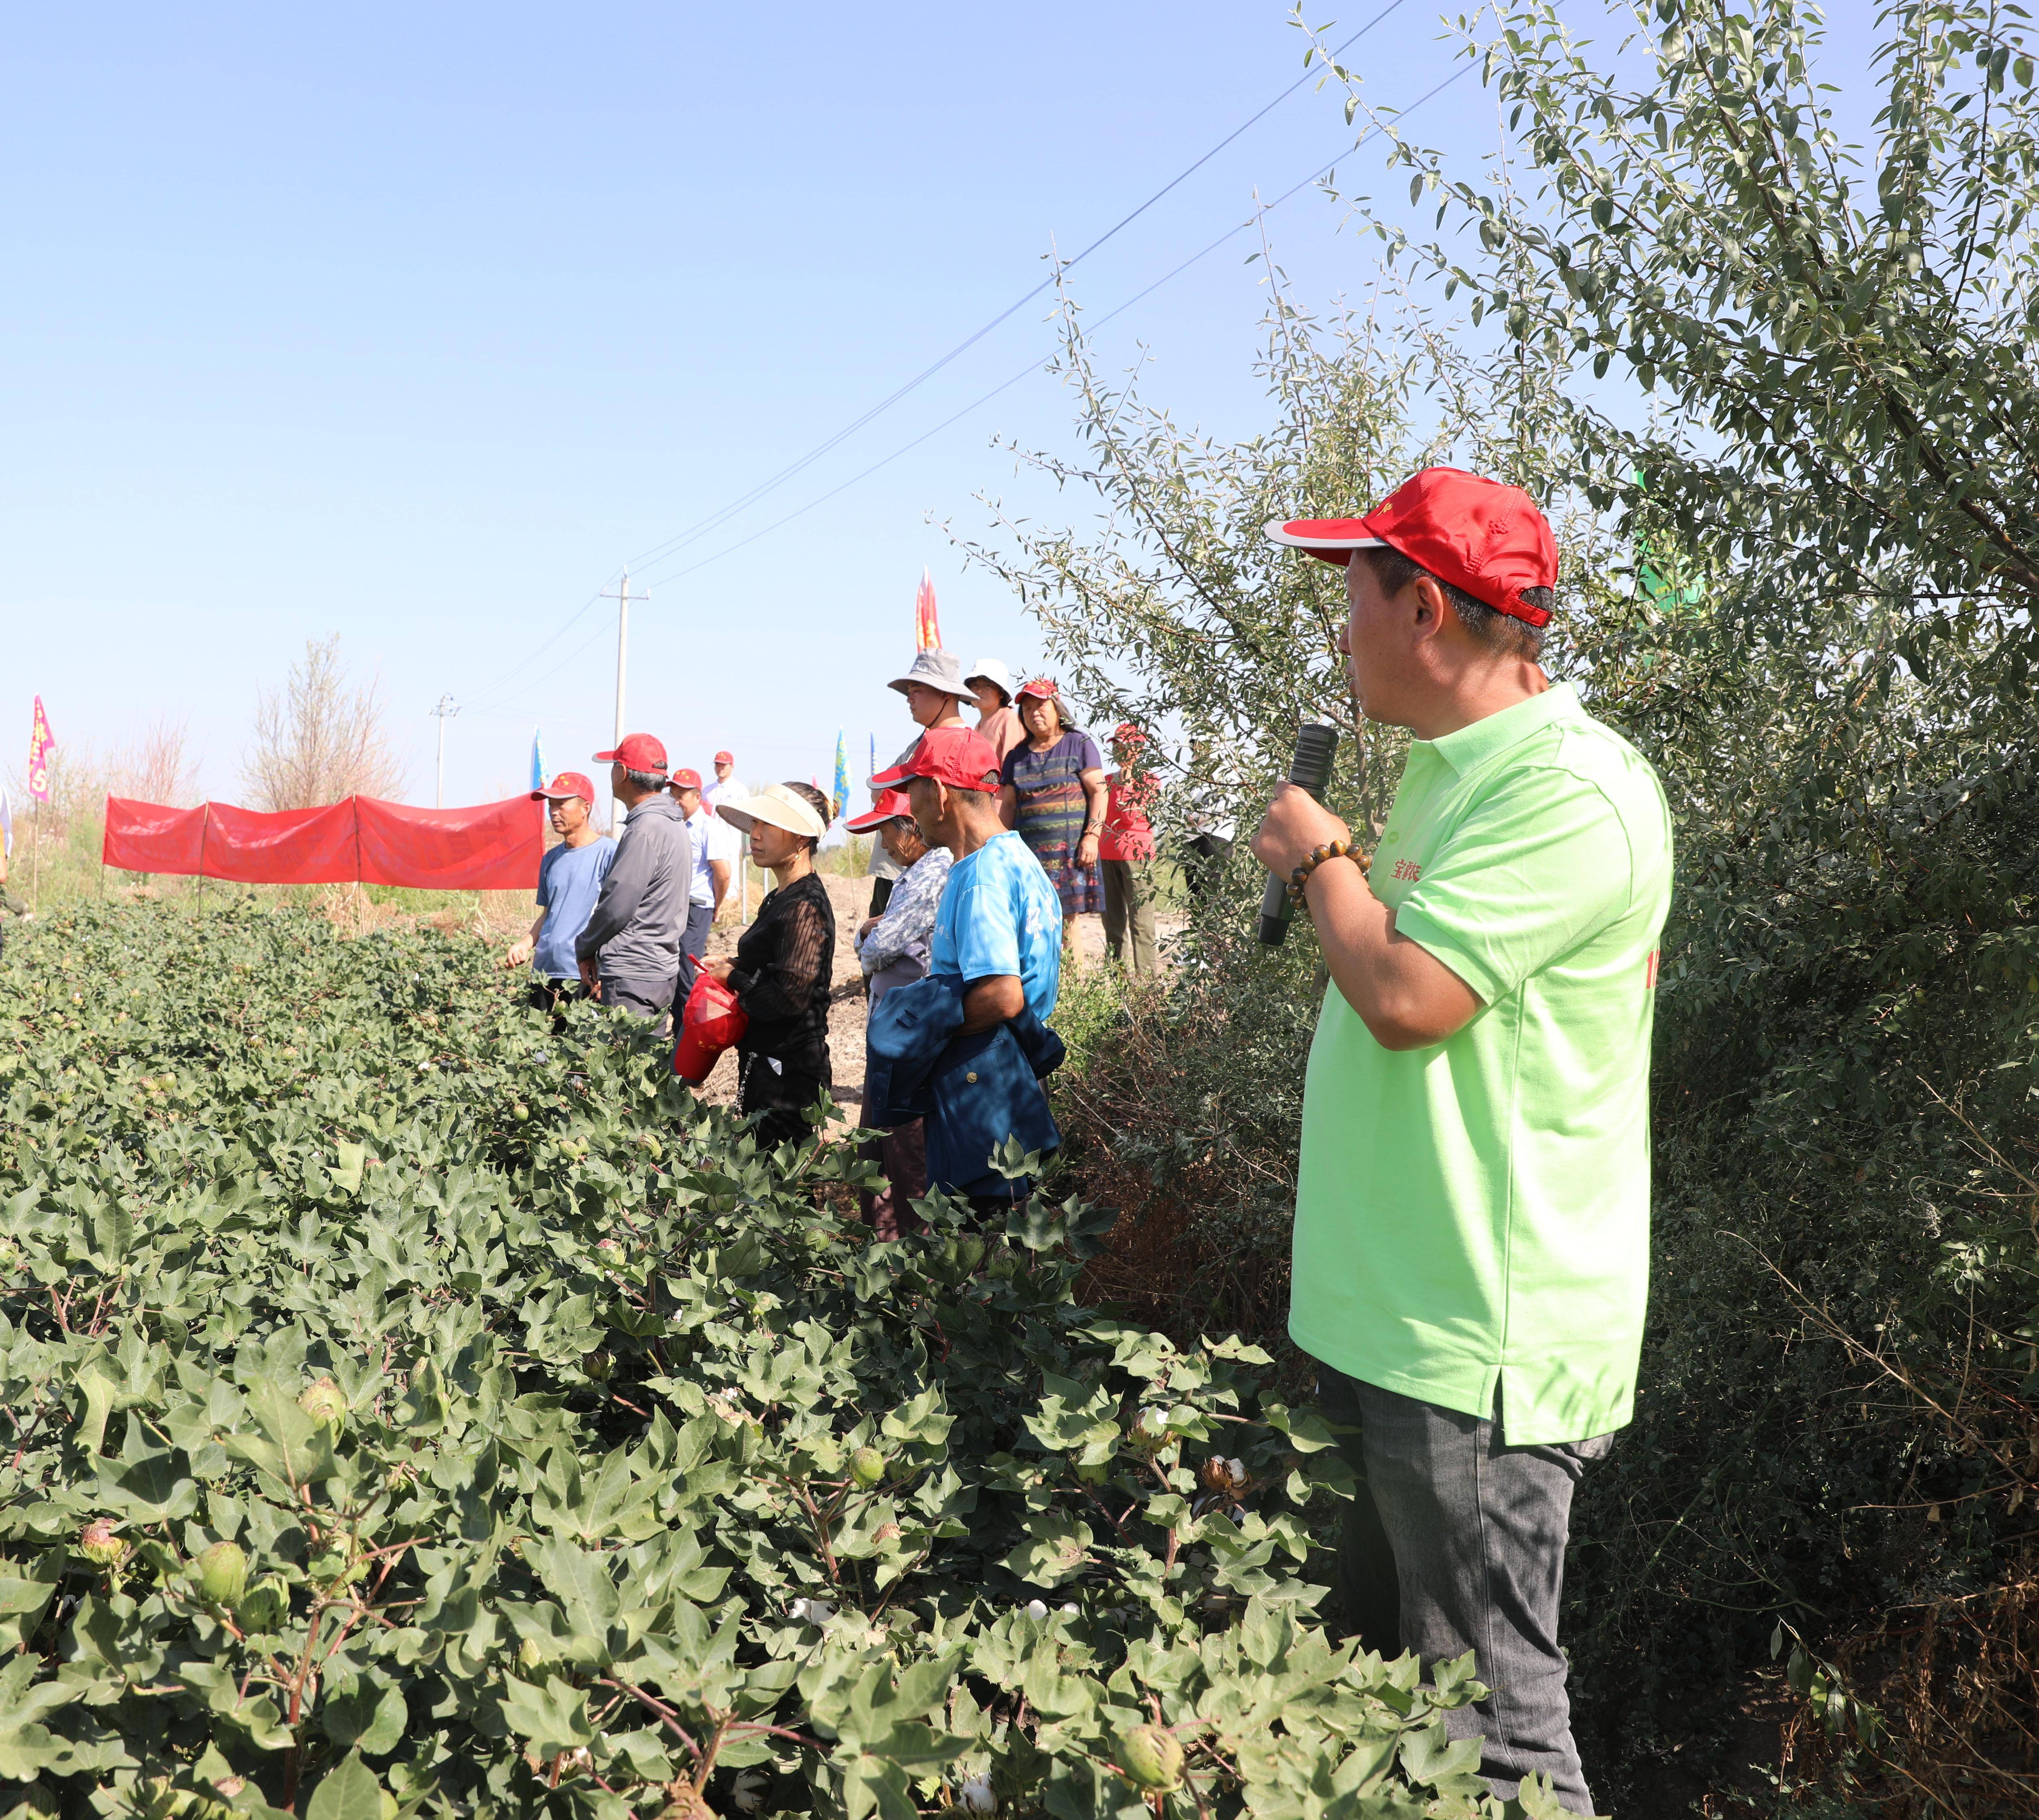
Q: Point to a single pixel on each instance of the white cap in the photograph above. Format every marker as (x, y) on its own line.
(992, 670)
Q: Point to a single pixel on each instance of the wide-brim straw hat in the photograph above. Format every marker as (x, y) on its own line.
(775, 803)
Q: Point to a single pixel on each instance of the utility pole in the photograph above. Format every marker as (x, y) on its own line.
(444, 713)
(623, 597)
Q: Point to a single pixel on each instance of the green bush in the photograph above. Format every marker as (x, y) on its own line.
(1801, 575)
(416, 1406)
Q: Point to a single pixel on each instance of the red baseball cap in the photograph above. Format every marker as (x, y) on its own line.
(959, 756)
(638, 752)
(567, 783)
(892, 805)
(1480, 535)
(1046, 687)
(686, 778)
(1126, 733)
(725, 757)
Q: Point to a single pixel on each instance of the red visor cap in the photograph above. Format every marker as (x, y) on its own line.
(567, 783)
(1480, 536)
(638, 752)
(960, 757)
(686, 778)
(888, 807)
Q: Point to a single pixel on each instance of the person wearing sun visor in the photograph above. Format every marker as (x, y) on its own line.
(1472, 1205)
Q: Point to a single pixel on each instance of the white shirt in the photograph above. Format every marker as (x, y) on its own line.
(726, 790)
(713, 839)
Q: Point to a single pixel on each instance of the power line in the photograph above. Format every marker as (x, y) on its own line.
(680, 539)
(1034, 366)
(1004, 386)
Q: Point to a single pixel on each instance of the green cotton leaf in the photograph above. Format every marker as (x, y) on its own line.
(1307, 1431)
(112, 1233)
(871, 1785)
(26, 1748)
(1428, 1756)
(1057, 1549)
(349, 1792)
(553, 1718)
(347, 1172)
(156, 1488)
(371, 1718)
(98, 1406)
(288, 1444)
(580, 1581)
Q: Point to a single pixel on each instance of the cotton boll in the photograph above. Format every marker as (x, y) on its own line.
(977, 1797)
(1037, 1609)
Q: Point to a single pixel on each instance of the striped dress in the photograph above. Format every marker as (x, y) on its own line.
(1052, 810)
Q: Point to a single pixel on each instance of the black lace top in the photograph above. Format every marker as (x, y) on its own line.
(785, 963)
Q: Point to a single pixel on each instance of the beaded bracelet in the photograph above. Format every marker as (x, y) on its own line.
(1300, 876)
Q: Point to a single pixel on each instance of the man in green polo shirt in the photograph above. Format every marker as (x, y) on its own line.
(1472, 1209)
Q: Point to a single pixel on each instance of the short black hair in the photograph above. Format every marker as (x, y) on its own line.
(1497, 630)
(644, 779)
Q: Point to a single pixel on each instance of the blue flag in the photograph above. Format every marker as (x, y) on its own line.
(841, 774)
(540, 778)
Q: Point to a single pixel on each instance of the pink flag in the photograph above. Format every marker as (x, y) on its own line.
(927, 627)
(42, 742)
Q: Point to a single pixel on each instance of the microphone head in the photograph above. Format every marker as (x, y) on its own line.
(1316, 749)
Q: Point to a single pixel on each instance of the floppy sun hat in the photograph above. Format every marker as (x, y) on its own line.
(892, 806)
(567, 783)
(776, 804)
(940, 670)
(960, 757)
(638, 752)
(990, 670)
(1482, 537)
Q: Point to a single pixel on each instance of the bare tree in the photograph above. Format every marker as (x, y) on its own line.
(158, 767)
(318, 739)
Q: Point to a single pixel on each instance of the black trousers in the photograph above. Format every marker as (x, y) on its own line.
(555, 995)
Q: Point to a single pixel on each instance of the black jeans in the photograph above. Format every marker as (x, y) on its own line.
(555, 995)
(1456, 1542)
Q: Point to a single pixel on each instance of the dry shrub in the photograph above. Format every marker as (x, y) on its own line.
(319, 739)
(157, 767)
(1169, 1116)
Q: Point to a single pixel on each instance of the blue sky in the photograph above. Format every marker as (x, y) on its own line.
(413, 324)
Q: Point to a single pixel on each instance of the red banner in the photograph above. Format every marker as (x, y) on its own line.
(494, 846)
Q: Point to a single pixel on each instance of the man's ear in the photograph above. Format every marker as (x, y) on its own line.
(1430, 607)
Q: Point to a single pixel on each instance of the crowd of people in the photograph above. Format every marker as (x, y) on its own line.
(989, 838)
(1471, 1230)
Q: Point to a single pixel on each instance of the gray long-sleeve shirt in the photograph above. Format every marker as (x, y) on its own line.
(642, 913)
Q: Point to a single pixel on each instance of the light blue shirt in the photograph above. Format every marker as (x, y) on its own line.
(569, 881)
(1000, 914)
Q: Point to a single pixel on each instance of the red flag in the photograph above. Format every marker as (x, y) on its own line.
(927, 627)
(42, 742)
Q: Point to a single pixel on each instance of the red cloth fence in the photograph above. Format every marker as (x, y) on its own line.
(491, 847)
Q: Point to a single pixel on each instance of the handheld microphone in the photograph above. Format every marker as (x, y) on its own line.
(1316, 745)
